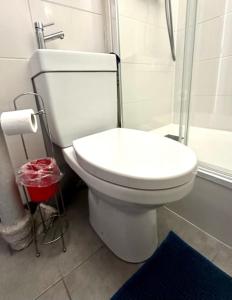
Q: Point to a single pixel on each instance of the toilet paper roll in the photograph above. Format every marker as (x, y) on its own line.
(19, 122)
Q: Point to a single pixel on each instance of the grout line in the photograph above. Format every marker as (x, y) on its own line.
(210, 19)
(165, 67)
(149, 23)
(67, 290)
(31, 17)
(223, 15)
(49, 287)
(14, 58)
(212, 260)
(82, 262)
(144, 100)
(147, 63)
(206, 233)
(73, 7)
(212, 58)
(211, 95)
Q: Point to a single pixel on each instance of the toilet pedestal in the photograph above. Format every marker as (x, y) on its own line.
(128, 230)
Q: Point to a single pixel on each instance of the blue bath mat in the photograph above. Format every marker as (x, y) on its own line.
(175, 272)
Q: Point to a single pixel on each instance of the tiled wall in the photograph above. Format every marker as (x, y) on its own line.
(83, 24)
(147, 67)
(211, 99)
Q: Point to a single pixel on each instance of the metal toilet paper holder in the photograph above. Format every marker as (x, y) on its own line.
(53, 227)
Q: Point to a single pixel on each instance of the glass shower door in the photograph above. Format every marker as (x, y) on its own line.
(206, 115)
(148, 71)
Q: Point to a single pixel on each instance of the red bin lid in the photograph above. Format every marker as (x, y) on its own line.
(39, 173)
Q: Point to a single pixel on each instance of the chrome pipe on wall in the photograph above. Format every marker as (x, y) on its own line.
(168, 11)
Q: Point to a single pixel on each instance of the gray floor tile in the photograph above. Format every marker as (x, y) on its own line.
(81, 242)
(100, 277)
(100, 273)
(24, 276)
(30, 276)
(56, 292)
(168, 221)
(199, 240)
(223, 259)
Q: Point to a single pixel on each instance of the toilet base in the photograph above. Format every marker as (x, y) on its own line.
(129, 230)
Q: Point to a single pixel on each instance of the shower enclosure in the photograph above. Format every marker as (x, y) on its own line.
(179, 86)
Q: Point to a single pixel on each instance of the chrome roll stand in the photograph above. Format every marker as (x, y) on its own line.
(53, 222)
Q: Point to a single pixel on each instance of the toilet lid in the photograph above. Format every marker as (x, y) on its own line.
(136, 159)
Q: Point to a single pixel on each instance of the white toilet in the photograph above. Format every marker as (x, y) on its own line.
(129, 172)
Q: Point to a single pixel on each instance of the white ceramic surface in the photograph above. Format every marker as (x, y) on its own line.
(44, 60)
(83, 105)
(136, 159)
(72, 98)
(134, 209)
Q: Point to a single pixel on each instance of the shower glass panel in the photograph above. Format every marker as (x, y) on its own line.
(210, 112)
(151, 79)
(190, 98)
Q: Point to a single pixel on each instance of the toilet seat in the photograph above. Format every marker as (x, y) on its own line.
(126, 195)
(136, 159)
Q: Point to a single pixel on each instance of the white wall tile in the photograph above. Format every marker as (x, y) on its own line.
(95, 6)
(156, 13)
(132, 39)
(227, 40)
(16, 29)
(157, 45)
(136, 9)
(229, 6)
(205, 77)
(144, 43)
(15, 79)
(210, 101)
(211, 112)
(157, 16)
(147, 69)
(145, 82)
(208, 9)
(146, 115)
(84, 31)
(182, 5)
(37, 11)
(225, 75)
(209, 37)
(223, 105)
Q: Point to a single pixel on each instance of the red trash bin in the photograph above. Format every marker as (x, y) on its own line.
(41, 178)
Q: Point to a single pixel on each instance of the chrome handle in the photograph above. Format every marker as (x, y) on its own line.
(41, 37)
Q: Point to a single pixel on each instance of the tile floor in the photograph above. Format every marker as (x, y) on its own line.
(88, 270)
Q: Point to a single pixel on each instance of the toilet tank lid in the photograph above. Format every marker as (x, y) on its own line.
(47, 60)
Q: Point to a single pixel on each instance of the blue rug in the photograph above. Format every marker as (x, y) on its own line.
(175, 272)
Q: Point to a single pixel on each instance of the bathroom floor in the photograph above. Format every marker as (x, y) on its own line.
(88, 270)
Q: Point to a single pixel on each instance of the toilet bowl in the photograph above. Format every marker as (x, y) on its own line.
(129, 174)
